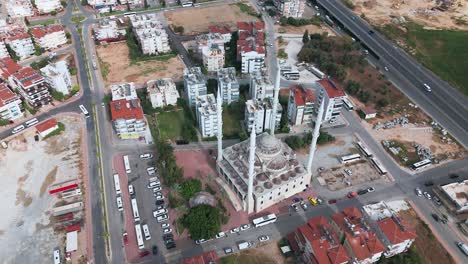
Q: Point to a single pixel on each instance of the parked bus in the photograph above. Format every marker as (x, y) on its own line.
(350, 158)
(146, 232)
(136, 214)
(127, 164)
(139, 237)
(117, 184)
(381, 169)
(17, 129)
(57, 256)
(84, 111)
(31, 122)
(291, 75)
(421, 164)
(129, 14)
(348, 105)
(364, 149)
(265, 220)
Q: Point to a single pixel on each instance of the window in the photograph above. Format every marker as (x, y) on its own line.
(279, 193)
(300, 183)
(294, 186)
(261, 202)
(286, 190)
(271, 197)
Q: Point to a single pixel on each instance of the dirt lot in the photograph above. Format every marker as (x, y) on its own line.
(383, 11)
(27, 169)
(267, 254)
(115, 59)
(300, 30)
(197, 20)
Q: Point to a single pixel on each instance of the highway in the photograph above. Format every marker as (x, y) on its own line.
(445, 104)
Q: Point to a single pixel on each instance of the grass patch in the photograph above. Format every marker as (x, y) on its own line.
(78, 19)
(58, 131)
(233, 114)
(104, 68)
(172, 124)
(247, 9)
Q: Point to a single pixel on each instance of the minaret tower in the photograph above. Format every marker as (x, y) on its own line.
(250, 201)
(275, 102)
(219, 102)
(315, 136)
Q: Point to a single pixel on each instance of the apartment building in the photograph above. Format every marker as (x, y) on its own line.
(290, 8)
(21, 43)
(150, 33)
(300, 105)
(124, 91)
(58, 77)
(194, 84)
(10, 104)
(251, 46)
(224, 31)
(102, 3)
(47, 6)
(332, 95)
(315, 243)
(207, 40)
(49, 37)
(128, 118)
(19, 8)
(261, 111)
(162, 92)
(261, 86)
(132, 3)
(3, 50)
(360, 242)
(213, 57)
(207, 115)
(106, 29)
(228, 84)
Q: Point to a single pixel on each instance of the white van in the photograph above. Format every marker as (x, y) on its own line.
(427, 87)
(17, 129)
(162, 218)
(4, 145)
(146, 156)
(119, 203)
(146, 232)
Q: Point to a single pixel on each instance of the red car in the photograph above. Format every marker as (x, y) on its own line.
(352, 194)
(332, 201)
(143, 253)
(125, 238)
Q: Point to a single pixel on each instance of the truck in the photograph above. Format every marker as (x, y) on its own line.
(69, 208)
(317, 72)
(243, 245)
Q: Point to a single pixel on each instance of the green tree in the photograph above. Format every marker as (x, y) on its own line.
(4, 122)
(324, 138)
(305, 38)
(203, 221)
(12, 53)
(382, 102)
(190, 187)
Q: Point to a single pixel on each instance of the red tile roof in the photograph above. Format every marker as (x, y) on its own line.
(301, 95)
(219, 29)
(249, 26)
(250, 38)
(28, 76)
(369, 110)
(394, 232)
(46, 125)
(40, 32)
(17, 34)
(332, 88)
(7, 67)
(209, 257)
(123, 109)
(338, 255)
(6, 95)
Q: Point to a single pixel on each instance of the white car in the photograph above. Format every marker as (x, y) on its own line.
(220, 235)
(418, 192)
(165, 225)
(244, 227)
(263, 238)
(235, 230)
(130, 189)
(159, 197)
(157, 193)
(428, 196)
(152, 185)
(151, 171)
(119, 203)
(167, 230)
(201, 241)
(146, 156)
(162, 218)
(159, 212)
(157, 189)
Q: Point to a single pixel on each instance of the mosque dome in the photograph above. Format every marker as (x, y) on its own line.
(269, 145)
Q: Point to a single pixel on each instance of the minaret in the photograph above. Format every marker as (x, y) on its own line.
(315, 136)
(219, 102)
(250, 202)
(275, 103)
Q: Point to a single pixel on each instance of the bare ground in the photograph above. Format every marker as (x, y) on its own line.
(267, 254)
(300, 30)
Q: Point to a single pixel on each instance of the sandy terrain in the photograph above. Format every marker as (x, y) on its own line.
(115, 57)
(196, 20)
(266, 254)
(27, 168)
(300, 30)
(383, 11)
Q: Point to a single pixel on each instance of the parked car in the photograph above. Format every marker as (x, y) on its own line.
(151, 171)
(125, 238)
(313, 201)
(162, 218)
(170, 245)
(159, 207)
(263, 238)
(155, 249)
(453, 176)
(361, 192)
(235, 230)
(167, 230)
(157, 193)
(429, 183)
(436, 217)
(168, 236)
(159, 197)
(220, 235)
(165, 225)
(227, 250)
(352, 195)
(418, 192)
(296, 199)
(348, 171)
(143, 253)
(437, 200)
(130, 189)
(159, 202)
(146, 156)
(244, 227)
(428, 196)
(332, 201)
(294, 206)
(371, 189)
(200, 241)
(303, 205)
(157, 188)
(152, 185)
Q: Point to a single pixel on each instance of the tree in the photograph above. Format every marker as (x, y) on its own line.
(324, 138)
(190, 187)
(203, 221)
(4, 122)
(382, 102)
(305, 38)
(12, 53)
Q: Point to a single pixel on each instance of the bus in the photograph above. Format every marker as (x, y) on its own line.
(350, 158)
(264, 220)
(84, 111)
(57, 256)
(364, 149)
(117, 184)
(136, 214)
(421, 164)
(127, 164)
(17, 129)
(291, 75)
(139, 236)
(129, 14)
(381, 169)
(348, 105)
(31, 122)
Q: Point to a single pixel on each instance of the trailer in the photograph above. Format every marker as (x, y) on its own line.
(317, 72)
(63, 186)
(65, 209)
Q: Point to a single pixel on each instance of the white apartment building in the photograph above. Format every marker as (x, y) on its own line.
(132, 3)
(47, 6)
(150, 33)
(19, 8)
(58, 77)
(224, 31)
(228, 85)
(102, 3)
(194, 84)
(3, 50)
(207, 115)
(261, 111)
(251, 46)
(332, 95)
(21, 43)
(261, 86)
(10, 104)
(106, 29)
(128, 118)
(32, 86)
(208, 40)
(252, 60)
(162, 92)
(300, 105)
(124, 91)
(49, 37)
(291, 8)
(213, 57)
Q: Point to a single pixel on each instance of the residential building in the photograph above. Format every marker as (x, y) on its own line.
(47, 6)
(162, 92)
(251, 46)
(128, 119)
(224, 31)
(261, 86)
(32, 86)
(150, 33)
(213, 57)
(49, 37)
(132, 3)
(3, 50)
(207, 40)
(102, 3)
(359, 240)
(194, 84)
(454, 196)
(207, 115)
(10, 104)
(124, 91)
(290, 8)
(19, 8)
(260, 111)
(47, 127)
(300, 105)
(315, 243)
(106, 29)
(209, 257)
(58, 77)
(21, 43)
(369, 112)
(332, 95)
(228, 84)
